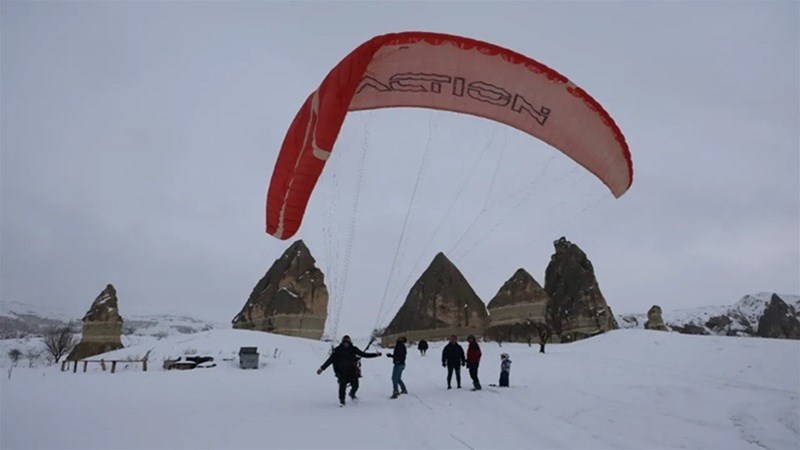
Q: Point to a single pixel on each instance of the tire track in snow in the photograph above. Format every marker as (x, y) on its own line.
(742, 421)
(462, 442)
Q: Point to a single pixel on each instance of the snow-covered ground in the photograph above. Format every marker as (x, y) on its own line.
(624, 389)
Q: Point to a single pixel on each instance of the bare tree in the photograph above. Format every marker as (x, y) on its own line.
(161, 335)
(59, 341)
(375, 336)
(31, 356)
(377, 333)
(14, 355)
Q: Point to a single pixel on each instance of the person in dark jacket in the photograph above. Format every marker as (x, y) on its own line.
(345, 359)
(422, 346)
(399, 360)
(473, 360)
(453, 359)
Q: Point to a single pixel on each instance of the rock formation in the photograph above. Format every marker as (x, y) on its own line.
(654, 320)
(763, 314)
(577, 308)
(720, 325)
(439, 304)
(690, 328)
(779, 320)
(290, 299)
(517, 311)
(102, 327)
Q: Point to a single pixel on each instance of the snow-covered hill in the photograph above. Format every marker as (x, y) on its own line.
(21, 319)
(22, 325)
(623, 389)
(739, 319)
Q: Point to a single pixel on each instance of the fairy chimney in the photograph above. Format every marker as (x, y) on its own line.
(102, 327)
(290, 299)
(439, 304)
(517, 311)
(654, 319)
(577, 308)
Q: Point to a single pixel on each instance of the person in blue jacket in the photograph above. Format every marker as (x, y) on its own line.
(399, 360)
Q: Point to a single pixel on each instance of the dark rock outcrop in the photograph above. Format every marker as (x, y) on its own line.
(654, 320)
(720, 324)
(577, 308)
(439, 304)
(517, 311)
(690, 328)
(779, 321)
(102, 327)
(290, 299)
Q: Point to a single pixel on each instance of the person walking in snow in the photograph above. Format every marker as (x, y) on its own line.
(345, 359)
(422, 346)
(399, 360)
(453, 359)
(505, 369)
(473, 361)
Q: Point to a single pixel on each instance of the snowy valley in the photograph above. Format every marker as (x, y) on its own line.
(623, 389)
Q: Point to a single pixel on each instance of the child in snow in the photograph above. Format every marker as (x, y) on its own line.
(505, 369)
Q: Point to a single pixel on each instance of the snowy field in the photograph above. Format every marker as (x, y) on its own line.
(624, 389)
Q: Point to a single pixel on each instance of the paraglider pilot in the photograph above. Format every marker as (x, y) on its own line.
(345, 361)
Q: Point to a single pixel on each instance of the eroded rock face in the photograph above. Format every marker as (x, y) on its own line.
(719, 324)
(779, 321)
(654, 319)
(102, 327)
(439, 304)
(577, 308)
(517, 311)
(290, 299)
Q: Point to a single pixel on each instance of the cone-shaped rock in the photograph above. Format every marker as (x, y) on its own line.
(517, 312)
(102, 327)
(439, 304)
(577, 308)
(290, 299)
(654, 319)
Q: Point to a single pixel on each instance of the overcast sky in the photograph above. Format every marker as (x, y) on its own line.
(138, 140)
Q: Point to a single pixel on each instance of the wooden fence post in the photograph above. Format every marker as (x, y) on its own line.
(144, 365)
(75, 367)
(85, 363)
(103, 364)
(113, 366)
(63, 365)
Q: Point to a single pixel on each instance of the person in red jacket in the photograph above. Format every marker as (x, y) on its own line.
(473, 360)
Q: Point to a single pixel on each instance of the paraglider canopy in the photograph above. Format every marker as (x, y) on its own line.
(451, 73)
